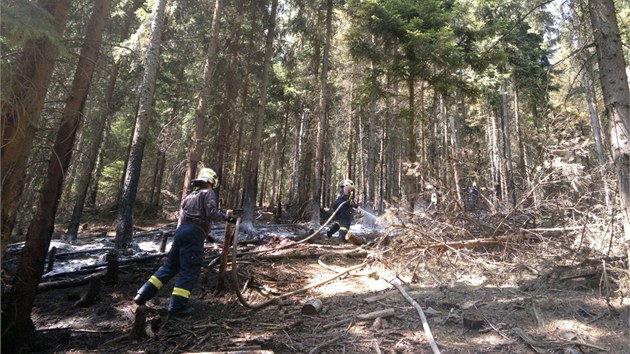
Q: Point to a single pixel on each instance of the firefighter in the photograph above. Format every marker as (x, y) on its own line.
(474, 197)
(343, 218)
(198, 209)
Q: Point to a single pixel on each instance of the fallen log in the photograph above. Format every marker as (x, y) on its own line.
(480, 242)
(89, 269)
(376, 314)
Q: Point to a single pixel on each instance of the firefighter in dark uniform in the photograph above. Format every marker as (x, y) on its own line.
(198, 209)
(343, 218)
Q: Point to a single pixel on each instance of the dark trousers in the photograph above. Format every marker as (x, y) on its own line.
(186, 258)
(342, 225)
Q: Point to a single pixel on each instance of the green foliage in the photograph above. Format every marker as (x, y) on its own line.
(23, 21)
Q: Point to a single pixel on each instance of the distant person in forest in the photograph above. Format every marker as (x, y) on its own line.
(343, 218)
(474, 196)
(434, 199)
(197, 211)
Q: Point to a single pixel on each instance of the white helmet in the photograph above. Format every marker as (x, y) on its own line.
(347, 183)
(207, 175)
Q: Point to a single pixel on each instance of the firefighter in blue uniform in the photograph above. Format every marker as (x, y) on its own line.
(198, 210)
(343, 218)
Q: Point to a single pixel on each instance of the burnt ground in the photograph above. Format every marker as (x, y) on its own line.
(528, 296)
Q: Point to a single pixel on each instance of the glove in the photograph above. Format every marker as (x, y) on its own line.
(231, 219)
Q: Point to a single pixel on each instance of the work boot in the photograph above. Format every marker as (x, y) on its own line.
(139, 300)
(186, 311)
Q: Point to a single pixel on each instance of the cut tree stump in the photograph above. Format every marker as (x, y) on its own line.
(227, 242)
(51, 259)
(92, 294)
(473, 319)
(312, 307)
(111, 274)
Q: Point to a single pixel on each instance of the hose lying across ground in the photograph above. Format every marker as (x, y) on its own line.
(296, 243)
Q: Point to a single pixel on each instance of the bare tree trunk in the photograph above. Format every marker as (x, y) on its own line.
(124, 229)
(352, 141)
(298, 155)
(194, 156)
(316, 186)
(614, 81)
(592, 110)
(411, 190)
(21, 110)
(18, 319)
(496, 156)
(251, 187)
(456, 158)
(509, 190)
(370, 180)
(96, 140)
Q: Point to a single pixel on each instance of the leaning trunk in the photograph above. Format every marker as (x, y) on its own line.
(20, 327)
(21, 112)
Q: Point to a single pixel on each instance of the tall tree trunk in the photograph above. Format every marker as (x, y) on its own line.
(509, 190)
(96, 139)
(251, 186)
(614, 81)
(497, 173)
(456, 159)
(597, 135)
(21, 108)
(19, 325)
(316, 186)
(280, 167)
(370, 180)
(124, 229)
(194, 157)
(411, 189)
(352, 140)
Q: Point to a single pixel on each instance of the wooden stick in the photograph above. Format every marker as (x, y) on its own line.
(425, 324)
(377, 314)
(227, 241)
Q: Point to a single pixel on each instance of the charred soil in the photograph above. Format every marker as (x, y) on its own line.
(520, 295)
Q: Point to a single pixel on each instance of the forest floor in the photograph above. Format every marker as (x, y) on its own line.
(526, 296)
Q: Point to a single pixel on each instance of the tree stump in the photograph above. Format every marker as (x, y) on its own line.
(473, 319)
(227, 242)
(139, 323)
(51, 259)
(164, 240)
(111, 275)
(312, 307)
(92, 294)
